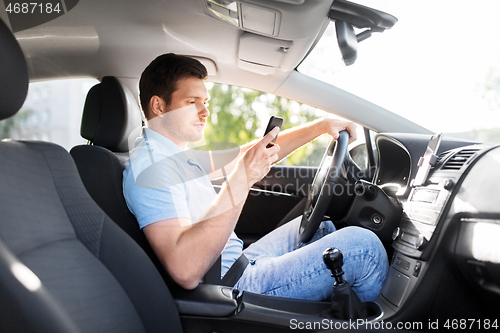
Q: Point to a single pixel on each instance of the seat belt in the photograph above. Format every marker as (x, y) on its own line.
(235, 271)
(232, 275)
(213, 274)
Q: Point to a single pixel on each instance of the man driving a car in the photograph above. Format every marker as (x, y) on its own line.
(189, 225)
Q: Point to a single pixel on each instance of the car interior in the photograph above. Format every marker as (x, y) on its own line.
(72, 256)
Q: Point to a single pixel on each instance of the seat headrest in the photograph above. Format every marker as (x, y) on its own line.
(110, 114)
(13, 74)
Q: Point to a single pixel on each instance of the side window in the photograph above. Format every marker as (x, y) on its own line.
(52, 112)
(360, 155)
(239, 115)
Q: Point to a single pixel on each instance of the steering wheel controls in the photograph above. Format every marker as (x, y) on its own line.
(365, 189)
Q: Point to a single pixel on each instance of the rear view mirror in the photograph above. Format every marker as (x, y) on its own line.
(347, 15)
(348, 42)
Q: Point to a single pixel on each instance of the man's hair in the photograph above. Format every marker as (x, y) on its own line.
(161, 76)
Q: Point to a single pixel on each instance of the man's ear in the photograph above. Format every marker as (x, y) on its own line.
(156, 105)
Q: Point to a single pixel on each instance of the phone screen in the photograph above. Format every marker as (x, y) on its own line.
(273, 122)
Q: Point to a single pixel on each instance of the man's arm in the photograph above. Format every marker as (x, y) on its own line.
(294, 138)
(188, 251)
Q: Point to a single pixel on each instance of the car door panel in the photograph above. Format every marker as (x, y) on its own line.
(278, 198)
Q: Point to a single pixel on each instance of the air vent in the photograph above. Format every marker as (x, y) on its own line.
(442, 156)
(459, 159)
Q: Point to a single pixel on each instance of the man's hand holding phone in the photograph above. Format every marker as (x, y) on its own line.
(258, 159)
(273, 122)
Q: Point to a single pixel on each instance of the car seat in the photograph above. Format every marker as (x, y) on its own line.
(101, 162)
(110, 116)
(65, 266)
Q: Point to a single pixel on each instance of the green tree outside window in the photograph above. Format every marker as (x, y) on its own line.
(239, 115)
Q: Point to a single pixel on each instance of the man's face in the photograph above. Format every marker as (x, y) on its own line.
(185, 118)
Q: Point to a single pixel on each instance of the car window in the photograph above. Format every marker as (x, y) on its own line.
(239, 115)
(441, 72)
(51, 112)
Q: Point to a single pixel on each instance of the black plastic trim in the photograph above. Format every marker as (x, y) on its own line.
(361, 16)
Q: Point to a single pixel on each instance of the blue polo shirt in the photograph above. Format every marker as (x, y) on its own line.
(161, 181)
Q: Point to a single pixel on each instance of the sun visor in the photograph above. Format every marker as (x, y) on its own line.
(262, 55)
(208, 63)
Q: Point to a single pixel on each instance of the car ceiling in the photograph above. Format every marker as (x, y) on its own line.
(121, 37)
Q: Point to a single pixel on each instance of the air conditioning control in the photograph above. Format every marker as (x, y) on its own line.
(421, 242)
(397, 233)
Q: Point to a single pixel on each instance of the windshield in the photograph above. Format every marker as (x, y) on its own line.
(439, 66)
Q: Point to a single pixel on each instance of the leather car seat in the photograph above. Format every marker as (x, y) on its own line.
(65, 266)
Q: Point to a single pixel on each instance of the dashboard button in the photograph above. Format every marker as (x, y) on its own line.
(416, 270)
(448, 184)
(403, 263)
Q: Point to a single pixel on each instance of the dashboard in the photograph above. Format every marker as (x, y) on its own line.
(438, 233)
(451, 222)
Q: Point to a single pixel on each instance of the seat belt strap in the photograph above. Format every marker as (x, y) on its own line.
(232, 275)
(235, 272)
(213, 274)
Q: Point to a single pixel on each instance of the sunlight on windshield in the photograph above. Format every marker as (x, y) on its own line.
(439, 66)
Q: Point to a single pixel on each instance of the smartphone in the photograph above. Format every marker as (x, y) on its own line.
(428, 160)
(273, 122)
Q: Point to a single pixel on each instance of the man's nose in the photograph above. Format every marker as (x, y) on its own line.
(203, 112)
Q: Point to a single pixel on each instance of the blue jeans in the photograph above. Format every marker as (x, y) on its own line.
(281, 265)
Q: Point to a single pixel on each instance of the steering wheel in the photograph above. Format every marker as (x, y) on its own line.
(323, 186)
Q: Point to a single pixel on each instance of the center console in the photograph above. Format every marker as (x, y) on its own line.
(219, 303)
(426, 206)
(211, 306)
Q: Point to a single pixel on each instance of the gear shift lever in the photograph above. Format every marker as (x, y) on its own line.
(345, 303)
(334, 260)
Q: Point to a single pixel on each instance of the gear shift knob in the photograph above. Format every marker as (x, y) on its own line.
(333, 259)
(345, 303)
